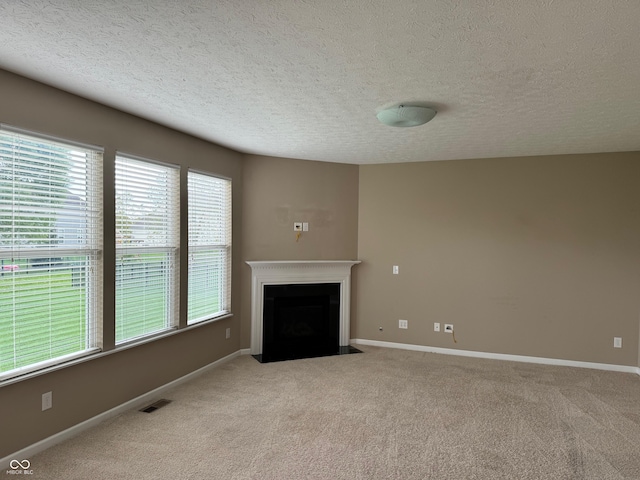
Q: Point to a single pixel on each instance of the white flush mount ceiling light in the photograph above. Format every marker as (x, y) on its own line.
(406, 115)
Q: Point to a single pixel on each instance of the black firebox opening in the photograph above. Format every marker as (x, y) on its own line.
(300, 321)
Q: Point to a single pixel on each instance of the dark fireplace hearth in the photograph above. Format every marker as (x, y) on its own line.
(301, 321)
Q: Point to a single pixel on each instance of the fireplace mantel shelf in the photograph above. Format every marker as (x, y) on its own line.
(274, 272)
(288, 264)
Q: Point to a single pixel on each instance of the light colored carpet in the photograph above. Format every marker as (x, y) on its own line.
(382, 414)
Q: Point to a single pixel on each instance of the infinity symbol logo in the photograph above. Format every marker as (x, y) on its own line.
(24, 465)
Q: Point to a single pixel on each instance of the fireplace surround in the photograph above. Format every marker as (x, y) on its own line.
(299, 272)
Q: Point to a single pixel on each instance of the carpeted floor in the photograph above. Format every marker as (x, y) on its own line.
(382, 414)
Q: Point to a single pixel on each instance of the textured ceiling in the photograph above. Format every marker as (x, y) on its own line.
(305, 79)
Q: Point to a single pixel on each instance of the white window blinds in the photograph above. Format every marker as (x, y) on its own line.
(147, 241)
(50, 251)
(209, 281)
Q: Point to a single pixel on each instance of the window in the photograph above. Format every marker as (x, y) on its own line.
(50, 251)
(209, 281)
(147, 241)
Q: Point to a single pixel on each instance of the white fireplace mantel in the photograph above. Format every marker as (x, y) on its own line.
(279, 272)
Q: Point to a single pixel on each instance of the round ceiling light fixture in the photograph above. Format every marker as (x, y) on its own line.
(406, 115)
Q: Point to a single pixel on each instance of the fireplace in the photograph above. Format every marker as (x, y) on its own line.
(300, 320)
(300, 309)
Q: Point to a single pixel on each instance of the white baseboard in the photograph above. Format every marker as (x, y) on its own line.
(500, 356)
(245, 351)
(48, 442)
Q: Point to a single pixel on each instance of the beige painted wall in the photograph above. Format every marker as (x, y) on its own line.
(527, 256)
(87, 389)
(278, 192)
(530, 256)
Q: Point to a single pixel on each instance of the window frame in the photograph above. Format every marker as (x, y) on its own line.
(94, 287)
(194, 247)
(83, 209)
(171, 252)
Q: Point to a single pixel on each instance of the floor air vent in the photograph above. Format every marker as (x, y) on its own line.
(155, 406)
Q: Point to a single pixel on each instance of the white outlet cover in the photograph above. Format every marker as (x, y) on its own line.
(47, 401)
(396, 270)
(617, 342)
(297, 226)
(436, 327)
(403, 324)
(448, 327)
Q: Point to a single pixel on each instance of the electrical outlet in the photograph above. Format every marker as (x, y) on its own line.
(297, 227)
(396, 270)
(448, 328)
(305, 226)
(617, 342)
(403, 323)
(436, 327)
(228, 333)
(47, 401)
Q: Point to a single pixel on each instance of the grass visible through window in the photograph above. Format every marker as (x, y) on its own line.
(43, 310)
(42, 315)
